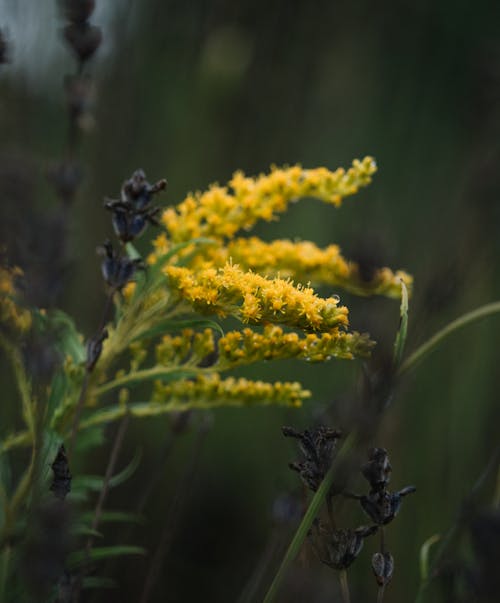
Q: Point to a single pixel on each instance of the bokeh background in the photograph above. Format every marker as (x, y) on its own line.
(192, 91)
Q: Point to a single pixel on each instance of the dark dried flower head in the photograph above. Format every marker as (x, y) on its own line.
(94, 349)
(117, 270)
(129, 224)
(339, 548)
(383, 568)
(138, 192)
(318, 447)
(383, 506)
(3, 48)
(84, 39)
(133, 211)
(77, 11)
(378, 469)
(61, 485)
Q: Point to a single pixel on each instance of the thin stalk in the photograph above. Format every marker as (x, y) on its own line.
(22, 382)
(110, 469)
(380, 593)
(344, 586)
(308, 518)
(4, 570)
(85, 384)
(462, 321)
(172, 519)
(143, 375)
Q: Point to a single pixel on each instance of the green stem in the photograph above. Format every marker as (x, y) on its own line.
(22, 383)
(4, 570)
(155, 372)
(462, 321)
(308, 518)
(17, 439)
(344, 586)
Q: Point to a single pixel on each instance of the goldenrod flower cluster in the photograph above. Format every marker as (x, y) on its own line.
(210, 271)
(209, 391)
(256, 299)
(238, 348)
(11, 313)
(222, 211)
(303, 261)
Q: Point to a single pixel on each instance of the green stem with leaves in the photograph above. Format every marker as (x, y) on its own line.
(309, 517)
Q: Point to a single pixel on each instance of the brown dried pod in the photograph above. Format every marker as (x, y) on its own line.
(84, 39)
(61, 485)
(383, 568)
(77, 11)
(318, 447)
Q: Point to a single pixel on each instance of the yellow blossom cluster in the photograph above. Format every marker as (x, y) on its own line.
(11, 313)
(243, 347)
(237, 348)
(209, 391)
(222, 211)
(303, 261)
(256, 299)
(187, 346)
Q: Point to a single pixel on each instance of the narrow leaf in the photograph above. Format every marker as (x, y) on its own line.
(79, 558)
(424, 556)
(400, 341)
(170, 326)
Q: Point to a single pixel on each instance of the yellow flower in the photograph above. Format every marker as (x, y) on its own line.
(254, 298)
(221, 212)
(210, 391)
(12, 315)
(304, 262)
(237, 348)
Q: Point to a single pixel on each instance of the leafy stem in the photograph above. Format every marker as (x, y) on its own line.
(435, 340)
(309, 517)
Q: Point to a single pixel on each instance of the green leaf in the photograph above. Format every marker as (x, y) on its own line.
(67, 340)
(79, 558)
(82, 530)
(171, 326)
(132, 252)
(165, 375)
(424, 556)
(96, 483)
(400, 341)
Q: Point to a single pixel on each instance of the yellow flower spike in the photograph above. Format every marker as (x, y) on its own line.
(236, 348)
(220, 212)
(252, 298)
(304, 261)
(12, 314)
(210, 391)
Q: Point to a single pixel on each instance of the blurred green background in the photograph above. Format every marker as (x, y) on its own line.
(192, 91)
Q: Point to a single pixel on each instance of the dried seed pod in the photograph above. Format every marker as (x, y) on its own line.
(339, 548)
(4, 58)
(61, 485)
(117, 270)
(318, 447)
(84, 39)
(383, 506)
(383, 567)
(77, 11)
(378, 469)
(94, 349)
